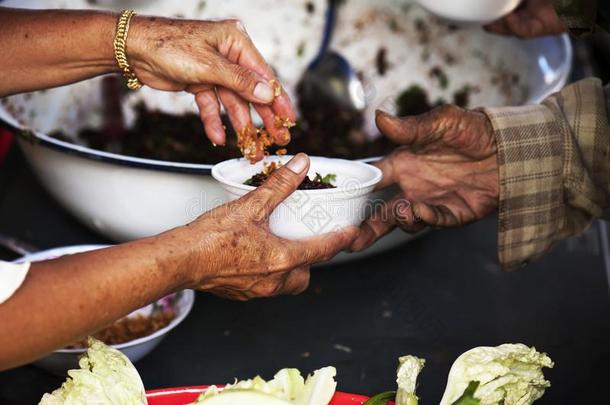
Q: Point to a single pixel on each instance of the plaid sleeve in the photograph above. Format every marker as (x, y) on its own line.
(554, 169)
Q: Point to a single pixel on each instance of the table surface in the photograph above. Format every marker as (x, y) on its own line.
(434, 297)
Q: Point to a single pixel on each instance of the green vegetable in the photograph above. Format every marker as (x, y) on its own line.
(467, 397)
(106, 376)
(328, 179)
(381, 399)
(509, 374)
(286, 388)
(408, 370)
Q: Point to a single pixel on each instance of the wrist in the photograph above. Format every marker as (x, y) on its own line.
(192, 253)
(143, 31)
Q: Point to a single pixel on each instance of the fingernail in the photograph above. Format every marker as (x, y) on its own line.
(263, 92)
(298, 163)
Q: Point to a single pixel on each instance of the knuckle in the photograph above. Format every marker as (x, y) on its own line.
(283, 179)
(243, 79)
(268, 288)
(283, 259)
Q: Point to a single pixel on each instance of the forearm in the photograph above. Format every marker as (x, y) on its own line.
(65, 299)
(48, 48)
(554, 169)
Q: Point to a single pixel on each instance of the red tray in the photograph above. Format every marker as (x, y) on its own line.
(186, 395)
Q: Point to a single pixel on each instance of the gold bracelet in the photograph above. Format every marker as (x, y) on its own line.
(120, 53)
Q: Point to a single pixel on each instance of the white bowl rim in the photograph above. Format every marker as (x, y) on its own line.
(188, 297)
(378, 174)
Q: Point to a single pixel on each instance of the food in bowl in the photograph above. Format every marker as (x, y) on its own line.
(309, 212)
(317, 183)
(133, 327)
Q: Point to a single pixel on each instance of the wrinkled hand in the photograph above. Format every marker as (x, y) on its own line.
(241, 259)
(218, 63)
(447, 172)
(533, 18)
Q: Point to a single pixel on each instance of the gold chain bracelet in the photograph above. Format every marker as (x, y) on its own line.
(120, 53)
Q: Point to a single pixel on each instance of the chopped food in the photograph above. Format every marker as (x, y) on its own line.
(276, 86)
(105, 376)
(179, 138)
(413, 101)
(461, 97)
(439, 74)
(318, 182)
(310, 7)
(287, 387)
(130, 328)
(381, 60)
(253, 142)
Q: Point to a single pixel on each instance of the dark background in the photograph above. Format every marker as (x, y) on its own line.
(435, 297)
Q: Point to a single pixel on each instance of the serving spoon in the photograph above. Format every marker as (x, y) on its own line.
(330, 79)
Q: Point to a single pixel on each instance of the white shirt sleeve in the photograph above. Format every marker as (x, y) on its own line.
(11, 278)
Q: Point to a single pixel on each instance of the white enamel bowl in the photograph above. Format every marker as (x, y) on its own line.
(62, 360)
(307, 213)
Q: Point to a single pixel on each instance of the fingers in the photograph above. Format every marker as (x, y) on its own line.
(280, 135)
(412, 130)
(324, 247)
(498, 27)
(209, 111)
(248, 84)
(249, 57)
(386, 165)
(436, 215)
(296, 281)
(278, 186)
(383, 221)
(237, 109)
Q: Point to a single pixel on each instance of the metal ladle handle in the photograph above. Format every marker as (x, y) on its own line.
(329, 28)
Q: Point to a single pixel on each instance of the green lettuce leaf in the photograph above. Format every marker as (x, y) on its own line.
(467, 397)
(106, 376)
(509, 374)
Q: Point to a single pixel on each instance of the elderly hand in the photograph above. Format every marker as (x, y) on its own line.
(240, 258)
(218, 63)
(533, 18)
(447, 172)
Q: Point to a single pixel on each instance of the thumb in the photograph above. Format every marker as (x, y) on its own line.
(282, 182)
(245, 82)
(412, 130)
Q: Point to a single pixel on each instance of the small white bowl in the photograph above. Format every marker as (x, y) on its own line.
(308, 213)
(470, 11)
(62, 360)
